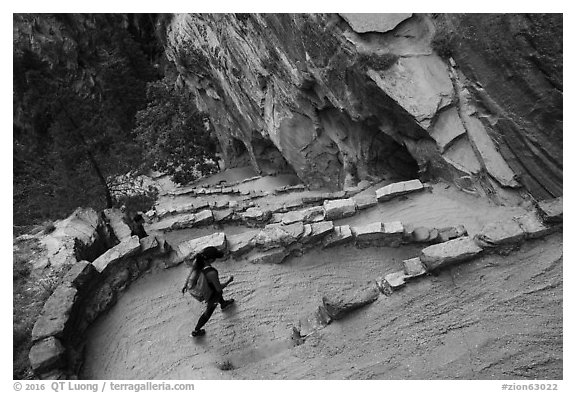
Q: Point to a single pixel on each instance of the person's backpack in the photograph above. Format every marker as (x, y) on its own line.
(201, 291)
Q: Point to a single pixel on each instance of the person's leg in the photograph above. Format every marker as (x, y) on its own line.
(205, 317)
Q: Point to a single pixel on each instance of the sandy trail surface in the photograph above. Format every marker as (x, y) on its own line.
(497, 317)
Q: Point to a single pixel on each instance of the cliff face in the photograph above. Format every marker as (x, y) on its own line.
(341, 98)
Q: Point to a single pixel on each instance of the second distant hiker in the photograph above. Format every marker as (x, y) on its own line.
(204, 284)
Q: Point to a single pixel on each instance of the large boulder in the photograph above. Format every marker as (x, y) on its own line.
(54, 317)
(339, 304)
(125, 249)
(339, 208)
(450, 252)
(447, 128)
(46, 355)
(421, 85)
(396, 189)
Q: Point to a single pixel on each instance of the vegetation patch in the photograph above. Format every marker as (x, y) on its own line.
(28, 297)
(378, 62)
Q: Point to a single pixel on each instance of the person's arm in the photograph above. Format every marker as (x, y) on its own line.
(228, 282)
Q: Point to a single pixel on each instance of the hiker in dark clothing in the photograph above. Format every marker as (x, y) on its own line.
(138, 227)
(201, 265)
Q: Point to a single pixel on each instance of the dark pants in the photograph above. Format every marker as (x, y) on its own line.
(215, 299)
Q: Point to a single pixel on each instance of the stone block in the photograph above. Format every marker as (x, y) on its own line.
(420, 235)
(223, 215)
(312, 199)
(256, 214)
(80, 275)
(365, 201)
(337, 305)
(55, 313)
(242, 243)
(434, 236)
(149, 243)
(204, 217)
(272, 256)
(179, 222)
(500, 233)
(312, 214)
(188, 248)
(369, 232)
(450, 252)
(318, 320)
(318, 230)
(396, 189)
(551, 210)
(532, 226)
(115, 219)
(126, 248)
(46, 355)
(413, 267)
(379, 234)
(341, 235)
(339, 208)
(396, 280)
(221, 204)
(273, 236)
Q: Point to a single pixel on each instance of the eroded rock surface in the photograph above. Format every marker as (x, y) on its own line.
(341, 98)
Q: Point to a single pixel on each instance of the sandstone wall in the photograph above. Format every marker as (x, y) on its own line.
(348, 97)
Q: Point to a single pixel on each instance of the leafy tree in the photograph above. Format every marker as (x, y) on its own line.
(78, 82)
(175, 137)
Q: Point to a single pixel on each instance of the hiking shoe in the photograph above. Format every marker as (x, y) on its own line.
(197, 333)
(225, 304)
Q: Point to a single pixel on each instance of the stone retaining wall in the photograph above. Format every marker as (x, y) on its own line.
(86, 291)
(89, 289)
(499, 237)
(335, 205)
